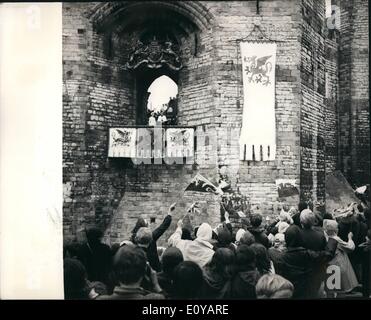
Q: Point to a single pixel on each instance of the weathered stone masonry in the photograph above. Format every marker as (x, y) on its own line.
(313, 92)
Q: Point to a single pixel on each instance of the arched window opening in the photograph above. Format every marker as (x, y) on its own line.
(162, 101)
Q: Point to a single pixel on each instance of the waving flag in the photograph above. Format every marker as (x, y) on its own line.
(200, 184)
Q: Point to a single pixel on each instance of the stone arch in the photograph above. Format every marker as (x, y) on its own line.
(103, 15)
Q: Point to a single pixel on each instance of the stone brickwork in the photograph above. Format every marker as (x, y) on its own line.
(100, 93)
(332, 102)
(312, 135)
(354, 92)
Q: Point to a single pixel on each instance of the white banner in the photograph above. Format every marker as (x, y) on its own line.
(179, 142)
(122, 142)
(258, 133)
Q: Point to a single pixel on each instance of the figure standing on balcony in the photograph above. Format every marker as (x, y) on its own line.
(152, 120)
(162, 118)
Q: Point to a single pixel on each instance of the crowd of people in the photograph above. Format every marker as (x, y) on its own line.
(286, 258)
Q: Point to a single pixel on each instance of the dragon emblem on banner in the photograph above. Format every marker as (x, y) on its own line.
(121, 137)
(258, 69)
(180, 137)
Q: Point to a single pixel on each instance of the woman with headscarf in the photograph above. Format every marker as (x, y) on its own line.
(348, 277)
(217, 273)
(199, 250)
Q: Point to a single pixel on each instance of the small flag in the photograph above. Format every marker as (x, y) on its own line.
(200, 184)
(194, 208)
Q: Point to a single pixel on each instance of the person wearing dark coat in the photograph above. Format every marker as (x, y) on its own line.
(313, 238)
(242, 284)
(187, 281)
(258, 231)
(96, 256)
(298, 263)
(359, 229)
(276, 252)
(224, 239)
(150, 246)
(216, 274)
(263, 262)
(366, 265)
(130, 266)
(75, 280)
(170, 259)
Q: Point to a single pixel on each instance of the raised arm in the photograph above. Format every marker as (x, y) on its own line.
(348, 246)
(176, 238)
(160, 230)
(325, 255)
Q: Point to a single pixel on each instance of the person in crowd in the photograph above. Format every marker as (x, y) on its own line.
(141, 223)
(72, 250)
(143, 239)
(298, 263)
(224, 239)
(276, 252)
(280, 224)
(284, 218)
(96, 256)
(187, 281)
(263, 262)
(312, 238)
(366, 265)
(351, 223)
(246, 275)
(283, 226)
(348, 277)
(130, 265)
(160, 252)
(258, 231)
(76, 283)
(199, 250)
(217, 273)
(296, 217)
(75, 280)
(239, 234)
(170, 259)
(274, 286)
(186, 234)
(151, 246)
(225, 230)
(247, 238)
(327, 216)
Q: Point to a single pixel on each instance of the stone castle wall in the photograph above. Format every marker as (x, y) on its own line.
(99, 93)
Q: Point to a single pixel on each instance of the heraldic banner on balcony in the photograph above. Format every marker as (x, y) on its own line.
(258, 133)
(122, 142)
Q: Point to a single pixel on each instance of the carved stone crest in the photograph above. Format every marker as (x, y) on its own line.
(155, 55)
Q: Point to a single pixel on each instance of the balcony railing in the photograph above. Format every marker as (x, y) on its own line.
(145, 142)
